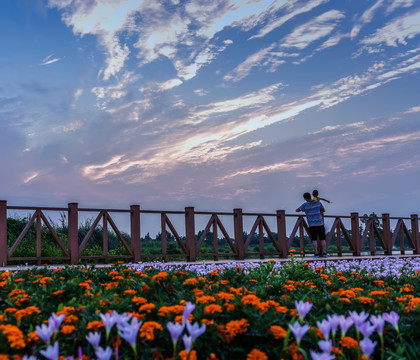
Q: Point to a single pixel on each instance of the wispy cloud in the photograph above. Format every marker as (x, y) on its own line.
(313, 30)
(366, 18)
(294, 9)
(49, 60)
(30, 177)
(397, 31)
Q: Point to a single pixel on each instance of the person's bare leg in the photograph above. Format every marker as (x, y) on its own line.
(315, 245)
(324, 247)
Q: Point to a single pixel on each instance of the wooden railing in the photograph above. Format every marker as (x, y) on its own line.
(352, 239)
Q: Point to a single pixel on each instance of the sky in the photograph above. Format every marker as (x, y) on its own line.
(216, 104)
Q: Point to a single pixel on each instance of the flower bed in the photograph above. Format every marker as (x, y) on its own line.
(271, 310)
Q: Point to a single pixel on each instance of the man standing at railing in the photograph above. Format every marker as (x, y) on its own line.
(314, 211)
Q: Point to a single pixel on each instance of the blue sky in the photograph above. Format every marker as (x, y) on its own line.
(213, 104)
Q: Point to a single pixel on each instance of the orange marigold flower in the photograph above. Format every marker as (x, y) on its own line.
(191, 281)
(229, 306)
(347, 294)
(212, 308)
(160, 276)
(94, 325)
(277, 331)
(4, 357)
(10, 310)
(366, 300)
(185, 356)
(32, 336)
(113, 273)
(224, 282)
(58, 292)
(84, 285)
(345, 300)
(250, 300)
(19, 280)
(408, 288)
(238, 291)
(147, 308)
(379, 282)
(45, 279)
(68, 329)
(256, 354)
(147, 330)
(349, 343)
(130, 292)
(208, 322)
(118, 277)
(14, 336)
(198, 292)
(342, 278)
(145, 288)
(289, 287)
(3, 318)
(138, 300)
(174, 309)
(205, 299)
(413, 303)
(253, 281)
(324, 276)
(70, 318)
(233, 328)
(379, 293)
(212, 357)
(318, 269)
(225, 296)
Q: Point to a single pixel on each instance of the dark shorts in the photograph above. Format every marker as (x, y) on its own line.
(317, 232)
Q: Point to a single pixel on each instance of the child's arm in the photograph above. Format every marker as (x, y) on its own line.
(324, 200)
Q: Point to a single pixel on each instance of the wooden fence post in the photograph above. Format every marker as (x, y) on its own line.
(281, 232)
(355, 235)
(3, 232)
(135, 232)
(386, 226)
(73, 232)
(190, 233)
(415, 232)
(238, 225)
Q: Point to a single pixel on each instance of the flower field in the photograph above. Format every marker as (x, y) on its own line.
(270, 310)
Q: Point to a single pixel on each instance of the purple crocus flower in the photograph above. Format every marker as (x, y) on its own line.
(26, 357)
(325, 327)
(345, 324)
(367, 346)
(94, 339)
(378, 322)
(359, 319)
(121, 319)
(188, 309)
(175, 330)
(325, 346)
(195, 330)
(334, 323)
(367, 329)
(129, 331)
(102, 354)
(187, 342)
(392, 318)
(303, 308)
(299, 331)
(321, 356)
(55, 321)
(51, 352)
(80, 353)
(109, 321)
(44, 332)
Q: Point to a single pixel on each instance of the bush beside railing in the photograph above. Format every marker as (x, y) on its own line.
(354, 241)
